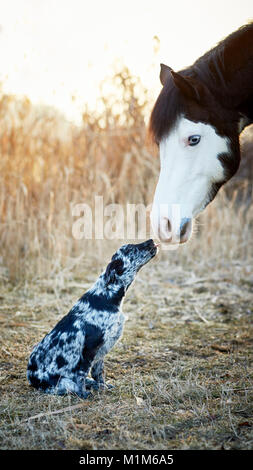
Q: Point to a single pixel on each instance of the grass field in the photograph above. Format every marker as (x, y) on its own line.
(183, 371)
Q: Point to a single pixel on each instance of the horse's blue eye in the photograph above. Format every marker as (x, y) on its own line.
(193, 140)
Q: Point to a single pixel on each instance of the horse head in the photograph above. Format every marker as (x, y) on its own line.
(198, 141)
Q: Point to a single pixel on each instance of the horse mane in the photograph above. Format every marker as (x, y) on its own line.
(215, 70)
(168, 108)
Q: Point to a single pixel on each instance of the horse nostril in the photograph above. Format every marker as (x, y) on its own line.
(169, 226)
(185, 227)
(164, 230)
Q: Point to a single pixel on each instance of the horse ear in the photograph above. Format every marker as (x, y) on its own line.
(164, 73)
(187, 86)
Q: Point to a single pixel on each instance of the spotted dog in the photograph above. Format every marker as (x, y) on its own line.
(61, 362)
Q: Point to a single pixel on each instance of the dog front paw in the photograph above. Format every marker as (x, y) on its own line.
(91, 383)
(105, 386)
(84, 395)
(95, 385)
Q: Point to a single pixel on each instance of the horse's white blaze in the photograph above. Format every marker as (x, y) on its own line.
(186, 176)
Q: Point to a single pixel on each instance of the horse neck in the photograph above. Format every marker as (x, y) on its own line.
(227, 70)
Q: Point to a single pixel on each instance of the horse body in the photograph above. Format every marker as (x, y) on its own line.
(228, 73)
(196, 121)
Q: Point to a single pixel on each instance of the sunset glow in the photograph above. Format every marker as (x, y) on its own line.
(57, 52)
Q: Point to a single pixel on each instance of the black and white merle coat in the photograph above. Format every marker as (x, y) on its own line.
(61, 362)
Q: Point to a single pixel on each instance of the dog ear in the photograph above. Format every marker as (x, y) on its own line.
(114, 269)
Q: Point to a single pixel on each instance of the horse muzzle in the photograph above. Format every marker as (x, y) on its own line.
(169, 230)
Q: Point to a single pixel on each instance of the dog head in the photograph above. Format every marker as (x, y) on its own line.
(126, 262)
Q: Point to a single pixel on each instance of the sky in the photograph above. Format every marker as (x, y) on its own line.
(52, 50)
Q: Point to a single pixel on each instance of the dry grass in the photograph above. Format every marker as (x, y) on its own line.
(47, 165)
(183, 369)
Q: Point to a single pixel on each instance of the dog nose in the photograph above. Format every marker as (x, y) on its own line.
(148, 244)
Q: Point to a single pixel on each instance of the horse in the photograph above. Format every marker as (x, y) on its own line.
(196, 122)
